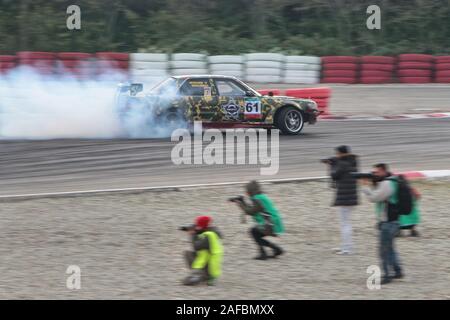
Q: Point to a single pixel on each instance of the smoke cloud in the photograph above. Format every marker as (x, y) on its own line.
(34, 106)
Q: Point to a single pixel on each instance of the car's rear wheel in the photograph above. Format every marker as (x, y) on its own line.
(290, 121)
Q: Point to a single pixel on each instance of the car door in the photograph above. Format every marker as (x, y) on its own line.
(235, 104)
(200, 95)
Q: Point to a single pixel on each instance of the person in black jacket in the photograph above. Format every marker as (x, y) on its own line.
(341, 169)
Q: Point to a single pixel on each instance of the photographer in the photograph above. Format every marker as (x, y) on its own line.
(382, 190)
(266, 216)
(206, 259)
(341, 168)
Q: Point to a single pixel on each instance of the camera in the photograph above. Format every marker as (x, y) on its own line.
(236, 199)
(330, 161)
(187, 228)
(361, 175)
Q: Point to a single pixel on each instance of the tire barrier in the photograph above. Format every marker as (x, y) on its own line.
(415, 68)
(253, 67)
(78, 65)
(320, 95)
(340, 69)
(41, 62)
(302, 69)
(442, 67)
(376, 69)
(7, 63)
(264, 67)
(148, 68)
(188, 63)
(227, 65)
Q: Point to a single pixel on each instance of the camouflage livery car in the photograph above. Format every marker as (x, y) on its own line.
(218, 101)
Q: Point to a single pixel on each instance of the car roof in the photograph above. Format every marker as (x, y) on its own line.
(194, 76)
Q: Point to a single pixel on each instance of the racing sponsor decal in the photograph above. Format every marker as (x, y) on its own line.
(231, 110)
(207, 91)
(253, 108)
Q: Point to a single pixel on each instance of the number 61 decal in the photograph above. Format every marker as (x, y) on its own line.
(252, 108)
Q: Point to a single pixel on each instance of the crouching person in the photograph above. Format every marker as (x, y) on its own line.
(206, 258)
(267, 218)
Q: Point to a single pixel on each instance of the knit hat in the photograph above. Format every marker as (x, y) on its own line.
(343, 149)
(202, 222)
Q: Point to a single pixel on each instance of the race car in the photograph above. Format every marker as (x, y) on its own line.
(217, 101)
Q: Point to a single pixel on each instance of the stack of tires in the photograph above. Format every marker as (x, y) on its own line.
(226, 65)
(7, 63)
(442, 67)
(320, 95)
(415, 68)
(302, 69)
(264, 67)
(41, 62)
(340, 69)
(112, 64)
(376, 69)
(78, 65)
(148, 68)
(188, 63)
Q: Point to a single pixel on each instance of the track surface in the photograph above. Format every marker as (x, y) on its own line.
(66, 165)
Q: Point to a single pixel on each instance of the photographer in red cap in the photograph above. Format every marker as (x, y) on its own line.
(206, 258)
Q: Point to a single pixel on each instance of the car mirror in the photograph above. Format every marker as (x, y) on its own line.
(249, 93)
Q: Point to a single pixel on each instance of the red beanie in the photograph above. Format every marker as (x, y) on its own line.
(203, 222)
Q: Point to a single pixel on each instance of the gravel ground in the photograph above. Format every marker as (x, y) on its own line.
(128, 246)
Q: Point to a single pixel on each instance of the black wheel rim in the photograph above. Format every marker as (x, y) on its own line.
(293, 120)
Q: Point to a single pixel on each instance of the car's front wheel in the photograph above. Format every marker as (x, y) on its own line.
(290, 121)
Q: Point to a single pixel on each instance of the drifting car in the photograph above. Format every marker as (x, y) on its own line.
(217, 101)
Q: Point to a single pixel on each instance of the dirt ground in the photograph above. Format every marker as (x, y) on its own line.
(128, 247)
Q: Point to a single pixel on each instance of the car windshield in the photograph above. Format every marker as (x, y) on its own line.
(167, 87)
(256, 93)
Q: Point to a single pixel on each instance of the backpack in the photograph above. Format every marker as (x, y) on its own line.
(405, 196)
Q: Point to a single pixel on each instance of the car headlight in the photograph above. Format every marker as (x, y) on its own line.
(311, 105)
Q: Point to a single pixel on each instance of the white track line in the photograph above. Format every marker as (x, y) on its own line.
(147, 189)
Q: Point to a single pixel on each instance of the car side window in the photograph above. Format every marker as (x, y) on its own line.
(196, 87)
(229, 88)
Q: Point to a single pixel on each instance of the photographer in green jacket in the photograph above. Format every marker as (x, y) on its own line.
(265, 214)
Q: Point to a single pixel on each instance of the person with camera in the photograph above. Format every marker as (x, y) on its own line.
(384, 190)
(206, 258)
(341, 168)
(267, 218)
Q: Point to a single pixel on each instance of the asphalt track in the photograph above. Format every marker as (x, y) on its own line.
(68, 165)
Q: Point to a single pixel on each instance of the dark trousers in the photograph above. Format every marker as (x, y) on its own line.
(258, 235)
(388, 254)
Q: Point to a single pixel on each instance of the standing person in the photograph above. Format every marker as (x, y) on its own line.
(341, 168)
(206, 258)
(386, 197)
(268, 220)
